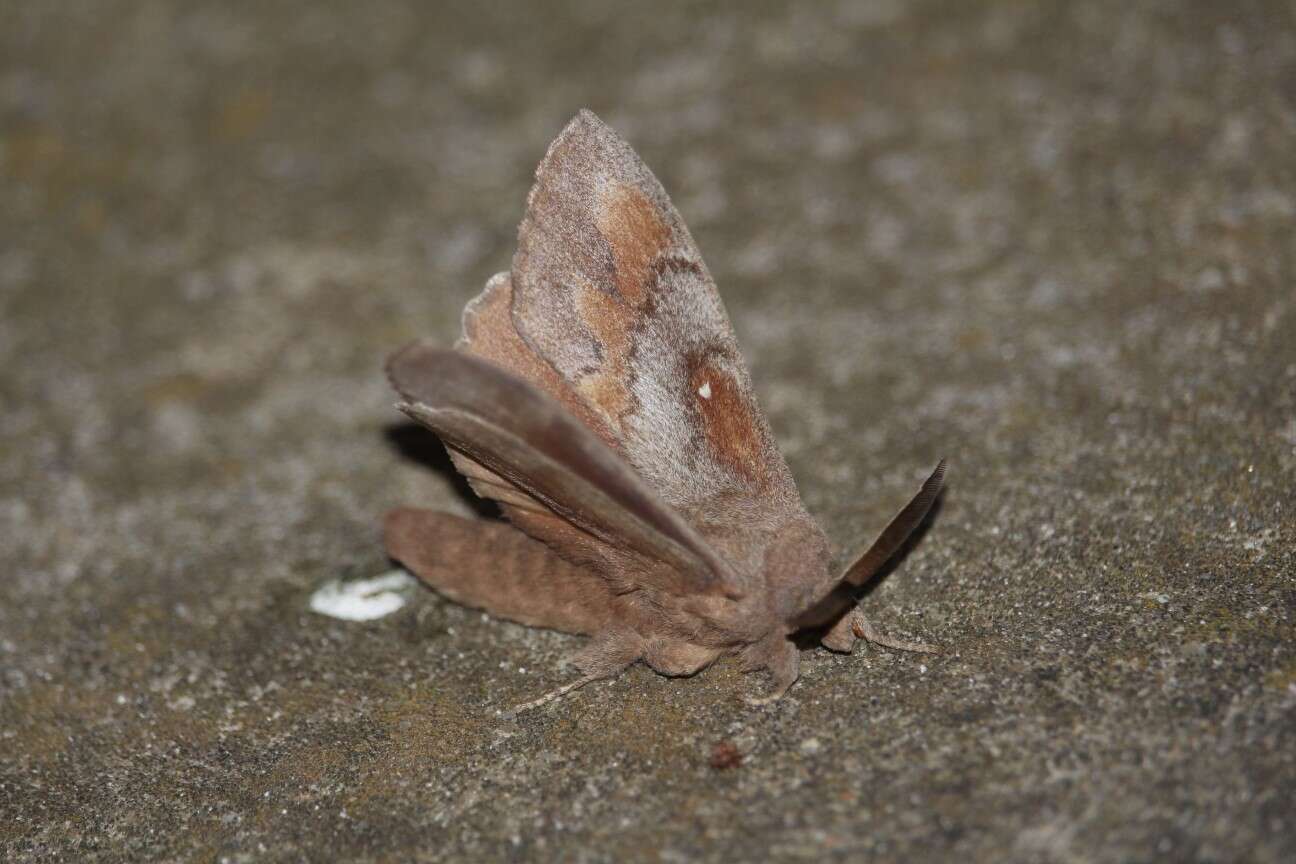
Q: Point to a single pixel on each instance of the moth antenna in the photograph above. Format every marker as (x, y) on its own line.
(863, 629)
(897, 532)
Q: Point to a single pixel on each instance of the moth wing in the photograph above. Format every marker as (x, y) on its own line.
(609, 289)
(865, 567)
(526, 438)
(897, 530)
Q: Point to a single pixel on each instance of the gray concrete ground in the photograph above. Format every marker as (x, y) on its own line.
(1051, 241)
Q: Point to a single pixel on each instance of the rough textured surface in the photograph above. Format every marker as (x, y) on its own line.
(1051, 241)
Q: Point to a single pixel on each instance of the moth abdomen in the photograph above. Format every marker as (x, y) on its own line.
(494, 567)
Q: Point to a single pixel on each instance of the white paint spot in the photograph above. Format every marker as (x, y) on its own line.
(365, 599)
(705, 390)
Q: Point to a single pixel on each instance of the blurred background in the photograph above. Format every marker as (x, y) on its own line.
(1050, 241)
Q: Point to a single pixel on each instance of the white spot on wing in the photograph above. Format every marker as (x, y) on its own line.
(363, 600)
(705, 390)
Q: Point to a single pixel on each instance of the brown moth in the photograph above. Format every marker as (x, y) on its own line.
(598, 395)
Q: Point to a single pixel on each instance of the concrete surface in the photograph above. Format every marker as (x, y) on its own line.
(1051, 241)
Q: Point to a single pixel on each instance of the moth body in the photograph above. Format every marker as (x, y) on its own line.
(599, 396)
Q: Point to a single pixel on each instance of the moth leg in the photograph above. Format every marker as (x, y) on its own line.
(677, 658)
(841, 636)
(778, 655)
(556, 693)
(604, 657)
(861, 627)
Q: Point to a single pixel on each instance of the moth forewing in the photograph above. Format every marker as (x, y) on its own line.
(521, 433)
(898, 530)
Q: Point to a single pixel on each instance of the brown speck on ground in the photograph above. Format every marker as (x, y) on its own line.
(725, 756)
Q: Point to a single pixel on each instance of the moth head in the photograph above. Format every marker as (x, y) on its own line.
(798, 570)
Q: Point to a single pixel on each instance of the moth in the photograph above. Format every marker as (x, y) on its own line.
(599, 396)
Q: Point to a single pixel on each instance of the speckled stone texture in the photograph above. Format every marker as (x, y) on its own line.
(1051, 241)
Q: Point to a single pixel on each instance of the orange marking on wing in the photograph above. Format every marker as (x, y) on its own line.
(611, 324)
(727, 420)
(636, 234)
(489, 333)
